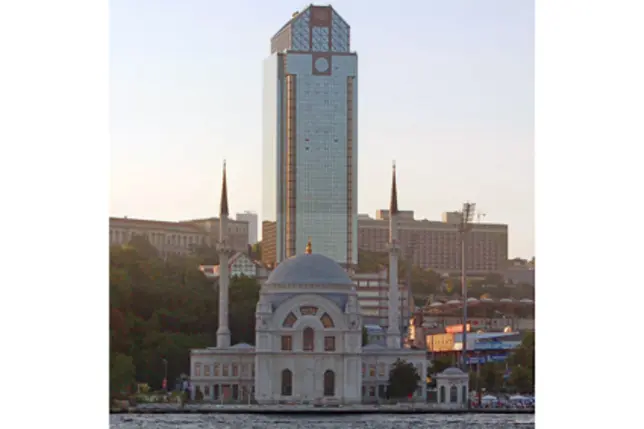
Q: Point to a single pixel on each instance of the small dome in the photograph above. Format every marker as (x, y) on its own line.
(506, 301)
(436, 304)
(452, 371)
(309, 269)
(453, 302)
(527, 301)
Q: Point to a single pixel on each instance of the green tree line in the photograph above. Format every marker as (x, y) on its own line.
(162, 308)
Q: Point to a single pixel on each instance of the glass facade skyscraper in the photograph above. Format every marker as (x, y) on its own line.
(310, 139)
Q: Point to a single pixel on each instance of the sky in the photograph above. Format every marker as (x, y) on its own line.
(446, 89)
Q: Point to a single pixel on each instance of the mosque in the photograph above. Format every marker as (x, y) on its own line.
(308, 341)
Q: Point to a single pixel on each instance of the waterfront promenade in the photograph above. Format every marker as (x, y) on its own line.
(308, 409)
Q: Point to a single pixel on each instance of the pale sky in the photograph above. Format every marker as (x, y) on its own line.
(446, 89)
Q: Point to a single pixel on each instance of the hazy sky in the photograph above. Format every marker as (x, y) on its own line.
(446, 88)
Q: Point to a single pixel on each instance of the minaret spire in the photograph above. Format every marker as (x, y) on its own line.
(223, 205)
(393, 203)
(393, 308)
(223, 332)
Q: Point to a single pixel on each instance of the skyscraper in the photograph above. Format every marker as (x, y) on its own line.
(310, 139)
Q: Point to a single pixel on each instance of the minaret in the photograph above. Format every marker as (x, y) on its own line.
(393, 331)
(223, 333)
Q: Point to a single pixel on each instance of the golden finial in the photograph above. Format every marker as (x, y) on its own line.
(309, 247)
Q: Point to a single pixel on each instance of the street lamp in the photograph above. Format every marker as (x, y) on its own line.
(165, 374)
(464, 226)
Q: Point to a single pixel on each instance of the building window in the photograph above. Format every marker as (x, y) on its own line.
(329, 344)
(206, 391)
(372, 391)
(453, 394)
(364, 370)
(308, 339)
(364, 391)
(235, 370)
(197, 369)
(215, 391)
(289, 321)
(464, 394)
(441, 395)
(372, 370)
(329, 383)
(287, 383)
(235, 392)
(308, 310)
(224, 371)
(287, 343)
(216, 372)
(327, 322)
(206, 370)
(381, 370)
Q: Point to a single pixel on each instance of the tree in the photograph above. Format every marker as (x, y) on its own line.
(491, 377)
(244, 294)
(256, 251)
(403, 379)
(522, 363)
(521, 379)
(441, 364)
(121, 374)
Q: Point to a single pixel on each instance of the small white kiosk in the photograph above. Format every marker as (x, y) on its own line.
(453, 388)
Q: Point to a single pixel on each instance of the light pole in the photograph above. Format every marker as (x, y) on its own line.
(165, 374)
(466, 218)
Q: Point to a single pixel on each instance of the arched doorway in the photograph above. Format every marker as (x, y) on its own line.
(329, 383)
(308, 339)
(453, 394)
(287, 382)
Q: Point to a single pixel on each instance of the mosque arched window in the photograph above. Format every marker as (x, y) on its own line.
(287, 382)
(326, 320)
(441, 396)
(289, 321)
(453, 394)
(329, 383)
(308, 339)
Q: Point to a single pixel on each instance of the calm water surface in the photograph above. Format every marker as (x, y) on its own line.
(382, 421)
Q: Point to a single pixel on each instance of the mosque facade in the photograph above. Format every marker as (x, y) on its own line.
(308, 335)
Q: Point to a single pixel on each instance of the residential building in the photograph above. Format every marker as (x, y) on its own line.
(240, 264)
(178, 238)
(373, 296)
(251, 218)
(436, 245)
(310, 139)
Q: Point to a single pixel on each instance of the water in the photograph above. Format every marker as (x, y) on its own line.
(372, 421)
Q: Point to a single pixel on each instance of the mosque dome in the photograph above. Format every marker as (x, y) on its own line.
(309, 269)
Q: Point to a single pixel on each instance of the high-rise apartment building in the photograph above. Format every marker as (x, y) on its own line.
(310, 139)
(251, 218)
(436, 245)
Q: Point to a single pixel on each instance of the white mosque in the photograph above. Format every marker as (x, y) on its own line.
(308, 342)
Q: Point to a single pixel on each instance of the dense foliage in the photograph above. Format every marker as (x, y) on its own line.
(160, 309)
(403, 380)
(429, 282)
